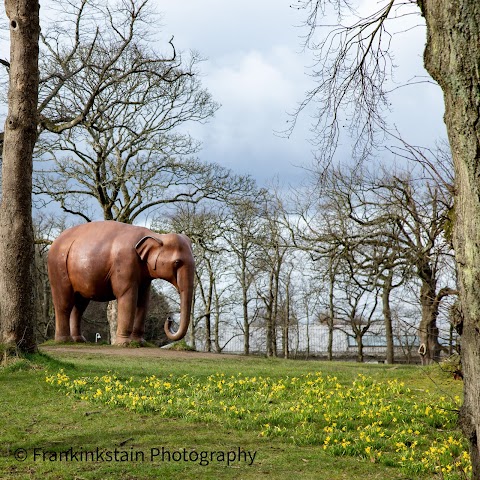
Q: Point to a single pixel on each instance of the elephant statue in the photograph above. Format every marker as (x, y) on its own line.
(106, 260)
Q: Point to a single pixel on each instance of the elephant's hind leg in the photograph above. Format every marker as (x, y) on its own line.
(62, 291)
(76, 318)
(63, 307)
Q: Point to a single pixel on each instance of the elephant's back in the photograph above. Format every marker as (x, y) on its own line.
(100, 233)
(94, 242)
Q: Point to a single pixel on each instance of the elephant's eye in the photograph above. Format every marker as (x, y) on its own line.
(177, 263)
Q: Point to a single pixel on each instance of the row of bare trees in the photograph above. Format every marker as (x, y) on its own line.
(110, 146)
(385, 229)
(342, 256)
(352, 72)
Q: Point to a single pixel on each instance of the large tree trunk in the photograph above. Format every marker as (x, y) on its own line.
(112, 318)
(246, 322)
(16, 231)
(452, 57)
(387, 317)
(428, 330)
(286, 325)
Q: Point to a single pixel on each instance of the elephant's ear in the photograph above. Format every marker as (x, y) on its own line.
(148, 249)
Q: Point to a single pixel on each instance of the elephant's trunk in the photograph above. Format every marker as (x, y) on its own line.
(185, 287)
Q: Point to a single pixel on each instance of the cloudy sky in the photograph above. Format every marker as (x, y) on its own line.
(256, 69)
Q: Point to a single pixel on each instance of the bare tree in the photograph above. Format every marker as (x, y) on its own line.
(96, 46)
(352, 292)
(356, 313)
(45, 228)
(44, 314)
(205, 225)
(126, 152)
(287, 316)
(406, 219)
(422, 239)
(311, 303)
(16, 228)
(243, 235)
(275, 249)
(80, 69)
(113, 104)
(331, 275)
(451, 56)
(389, 227)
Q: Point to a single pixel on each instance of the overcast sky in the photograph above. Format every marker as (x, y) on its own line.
(256, 69)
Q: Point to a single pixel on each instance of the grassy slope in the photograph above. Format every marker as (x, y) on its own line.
(35, 415)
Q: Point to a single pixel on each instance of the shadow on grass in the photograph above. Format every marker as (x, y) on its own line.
(45, 360)
(34, 361)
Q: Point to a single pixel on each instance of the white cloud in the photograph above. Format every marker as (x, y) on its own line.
(256, 83)
(254, 70)
(256, 90)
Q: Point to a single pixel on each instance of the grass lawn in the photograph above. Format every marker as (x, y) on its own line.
(103, 412)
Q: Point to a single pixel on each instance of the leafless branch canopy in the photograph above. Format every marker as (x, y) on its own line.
(88, 50)
(352, 70)
(111, 107)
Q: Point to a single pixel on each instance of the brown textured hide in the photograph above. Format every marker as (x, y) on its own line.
(106, 260)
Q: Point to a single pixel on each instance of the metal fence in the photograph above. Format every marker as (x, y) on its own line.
(312, 341)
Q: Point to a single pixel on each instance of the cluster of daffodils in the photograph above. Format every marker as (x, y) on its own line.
(382, 422)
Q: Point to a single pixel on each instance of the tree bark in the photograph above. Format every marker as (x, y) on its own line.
(428, 330)
(270, 350)
(112, 317)
(387, 316)
(452, 57)
(16, 229)
(359, 340)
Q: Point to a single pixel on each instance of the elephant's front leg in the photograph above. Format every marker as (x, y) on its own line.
(140, 315)
(127, 306)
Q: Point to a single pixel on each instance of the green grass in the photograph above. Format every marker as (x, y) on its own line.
(315, 419)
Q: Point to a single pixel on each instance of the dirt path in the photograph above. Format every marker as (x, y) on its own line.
(132, 352)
